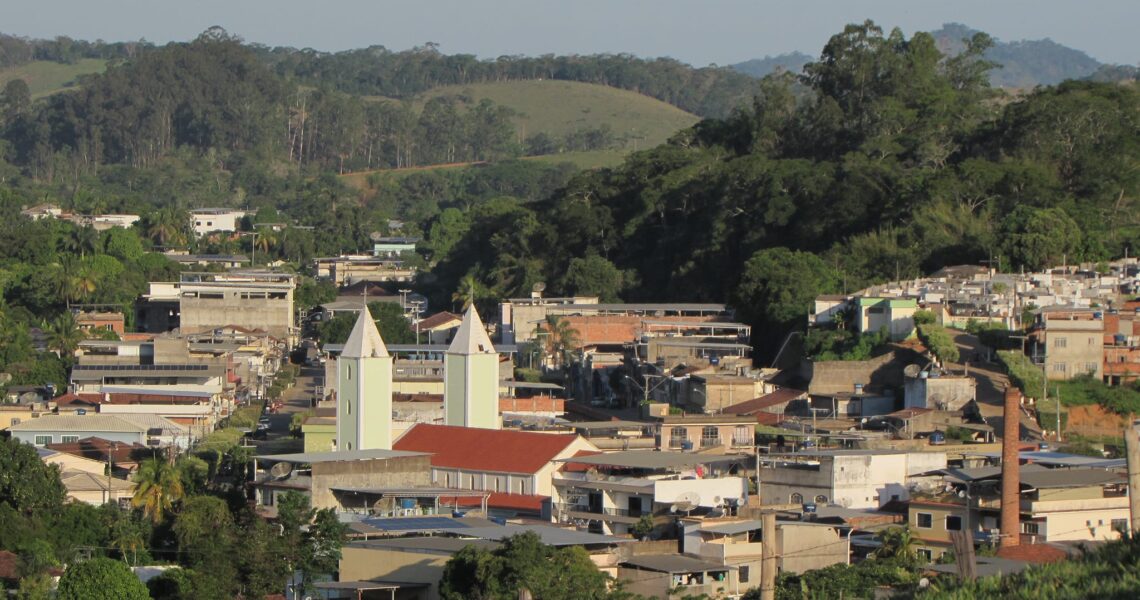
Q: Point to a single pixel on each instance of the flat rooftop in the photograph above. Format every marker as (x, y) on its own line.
(652, 459)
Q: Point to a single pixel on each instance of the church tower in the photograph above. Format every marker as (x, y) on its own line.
(364, 390)
(471, 377)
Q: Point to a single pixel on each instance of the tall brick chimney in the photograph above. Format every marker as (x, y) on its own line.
(1010, 474)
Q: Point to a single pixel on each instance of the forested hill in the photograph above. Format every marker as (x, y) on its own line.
(897, 163)
(1023, 64)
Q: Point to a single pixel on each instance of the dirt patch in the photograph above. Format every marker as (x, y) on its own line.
(1094, 420)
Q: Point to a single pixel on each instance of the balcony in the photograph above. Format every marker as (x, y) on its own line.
(711, 442)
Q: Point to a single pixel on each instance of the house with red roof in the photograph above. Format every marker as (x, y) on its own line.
(516, 467)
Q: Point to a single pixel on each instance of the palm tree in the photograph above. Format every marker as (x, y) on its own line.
(86, 239)
(167, 226)
(897, 542)
(159, 488)
(562, 338)
(468, 292)
(63, 334)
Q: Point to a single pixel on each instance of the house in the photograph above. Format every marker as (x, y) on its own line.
(330, 479)
(895, 315)
(91, 322)
(517, 467)
(1069, 342)
(706, 432)
(123, 458)
(147, 430)
(769, 408)
(225, 261)
(849, 478)
(95, 488)
(393, 247)
(354, 268)
(1056, 504)
(437, 329)
(939, 391)
(614, 491)
(261, 300)
(209, 220)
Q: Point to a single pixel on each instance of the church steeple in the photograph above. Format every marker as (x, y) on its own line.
(471, 376)
(364, 389)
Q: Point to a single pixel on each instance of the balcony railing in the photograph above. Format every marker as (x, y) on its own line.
(710, 442)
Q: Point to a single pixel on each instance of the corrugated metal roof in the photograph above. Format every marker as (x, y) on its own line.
(652, 459)
(98, 423)
(673, 563)
(339, 456)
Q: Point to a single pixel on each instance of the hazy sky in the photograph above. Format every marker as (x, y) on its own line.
(698, 32)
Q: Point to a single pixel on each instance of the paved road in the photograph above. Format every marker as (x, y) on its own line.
(991, 384)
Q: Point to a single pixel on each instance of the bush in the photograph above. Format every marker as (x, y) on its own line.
(1022, 372)
(925, 317)
(101, 579)
(939, 342)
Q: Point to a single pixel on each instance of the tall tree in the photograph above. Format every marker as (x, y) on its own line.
(159, 488)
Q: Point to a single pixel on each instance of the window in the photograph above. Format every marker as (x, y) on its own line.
(924, 554)
(1090, 367)
(923, 520)
(710, 436)
(797, 499)
(1092, 341)
(1120, 525)
(953, 523)
(1060, 342)
(43, 440)
(821, 499)
(678, 436)
(1030, 529)
(15, 421)
(742, 574)
(1059, 367)
(69, 438)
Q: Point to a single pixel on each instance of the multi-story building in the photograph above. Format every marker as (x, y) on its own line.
(849, 478)
(1070, 343)
(612, 492)
(251, 299)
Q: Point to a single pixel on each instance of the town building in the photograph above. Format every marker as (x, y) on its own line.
(849, 478)
(147, 430)
(353, 268)
(209, 220)
(260, 300)
(330, 479)
(1069, 343)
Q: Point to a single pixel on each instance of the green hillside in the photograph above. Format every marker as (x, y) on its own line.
(45, 78)
(560, 107)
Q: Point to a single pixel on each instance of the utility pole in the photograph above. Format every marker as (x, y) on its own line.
(768, 556)
(1132, 450)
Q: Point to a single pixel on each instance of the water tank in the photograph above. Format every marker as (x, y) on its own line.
(858, 388)
(407, 502)
(1098, 315)
(937, 438)
(1119, 339)
(809, 508)
(924, 375)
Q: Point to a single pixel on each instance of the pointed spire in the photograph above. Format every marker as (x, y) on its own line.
(472, 336)
(365, 340)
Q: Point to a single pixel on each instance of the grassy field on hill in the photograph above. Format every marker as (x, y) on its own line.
(45, 78)
(560, 107)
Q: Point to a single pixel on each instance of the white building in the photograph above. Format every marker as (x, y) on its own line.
(208, 220)
(849, 478)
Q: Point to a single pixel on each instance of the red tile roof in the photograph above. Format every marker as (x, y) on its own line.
(70, 398)
(9, 565)
(134, 398)
(532, 404)
(484, 449)
(97, 448)
(439, 319)
(761, 404)
(572, 467)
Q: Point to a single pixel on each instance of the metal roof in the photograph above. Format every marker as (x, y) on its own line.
(674, 563)
(1067, 478)
(433, 523)
(602, 425)
(1061, 459)
(433, 543)
(98, 423)
(551, 536)
(364, 586)
(339, 456)
(733, 527)
(651, 459)
(529, 385)
(413, 492)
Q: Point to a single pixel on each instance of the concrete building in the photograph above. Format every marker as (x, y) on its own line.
(896, 315)
(1056, 504)
(1070, 343)
(471, 377)
(364, 398)
(252, 299)
(930, 389)
(706, 432)
(393, 247)
(849, 478)
(611, 492)
(350, 269)
(208, 220)
(324, 476)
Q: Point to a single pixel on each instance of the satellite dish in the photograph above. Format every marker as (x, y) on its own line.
(539, 287)
(716, 500)
(912, 371)
(686, 501)
(376, 236)
(281, 470)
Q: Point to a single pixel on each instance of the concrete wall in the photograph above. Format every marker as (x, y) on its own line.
(406, 471)
(201, 309)
(1074, 348)
(806, 546)
(941, 393)
(363, 564)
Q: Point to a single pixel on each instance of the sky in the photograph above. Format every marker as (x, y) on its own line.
(699, 32)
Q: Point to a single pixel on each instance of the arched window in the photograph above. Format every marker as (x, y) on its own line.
(797, 499)
(821, 499)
